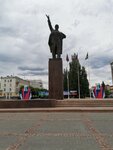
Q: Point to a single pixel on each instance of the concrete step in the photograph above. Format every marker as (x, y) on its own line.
(85, 103)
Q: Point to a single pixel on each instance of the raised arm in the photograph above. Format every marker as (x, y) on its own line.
(49, 23)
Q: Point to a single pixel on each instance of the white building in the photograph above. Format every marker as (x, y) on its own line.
(36, 84)
(10, 86)
(112, 71)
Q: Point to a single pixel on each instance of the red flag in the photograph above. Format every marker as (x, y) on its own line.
(67, 58)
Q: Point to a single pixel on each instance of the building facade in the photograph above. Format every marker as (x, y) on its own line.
(112, 71)
(36, 84)
(10, 86)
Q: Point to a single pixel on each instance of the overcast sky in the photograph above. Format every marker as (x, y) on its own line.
(24, 32)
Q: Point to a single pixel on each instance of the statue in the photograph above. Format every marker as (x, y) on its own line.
(55, 40)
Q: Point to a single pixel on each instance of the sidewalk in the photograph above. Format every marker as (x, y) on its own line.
(56, 131)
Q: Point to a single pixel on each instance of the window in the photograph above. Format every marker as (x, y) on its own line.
(4, 89)
(4, 85)
(4, 80)
(11, 80)
(10, 89)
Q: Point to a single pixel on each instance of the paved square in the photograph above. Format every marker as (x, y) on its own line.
(56, 131)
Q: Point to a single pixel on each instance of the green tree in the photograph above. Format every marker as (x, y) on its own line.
(107, 93)
(21, 87)
(84, 84)
(77, 72)
(73, 73)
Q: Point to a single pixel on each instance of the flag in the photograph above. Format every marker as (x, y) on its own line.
(86, 56)
(67, 58)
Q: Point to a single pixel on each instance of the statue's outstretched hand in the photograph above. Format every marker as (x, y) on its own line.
(49, 23)
(47, 17)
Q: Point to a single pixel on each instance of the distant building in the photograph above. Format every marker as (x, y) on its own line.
(36, 84)
(112, 71)
(10, 86)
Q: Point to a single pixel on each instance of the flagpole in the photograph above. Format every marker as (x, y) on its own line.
(89, 82)
(68, 78)
(78, 78)
(78, 82)
(67, 59)
(87, 57)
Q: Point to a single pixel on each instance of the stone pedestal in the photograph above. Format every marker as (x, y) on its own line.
(55, 79)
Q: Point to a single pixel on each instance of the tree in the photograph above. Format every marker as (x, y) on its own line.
(21, 87)
(107, 93)
(84, 84)
(75, 72)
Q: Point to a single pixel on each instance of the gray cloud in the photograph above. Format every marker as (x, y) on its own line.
(34, 73)
(25, 68)
(9, 59)
(7, 31)
(100, 62)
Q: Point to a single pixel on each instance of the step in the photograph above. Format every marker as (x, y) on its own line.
(84, 103)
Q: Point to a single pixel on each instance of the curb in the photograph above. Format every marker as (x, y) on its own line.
(57, 109)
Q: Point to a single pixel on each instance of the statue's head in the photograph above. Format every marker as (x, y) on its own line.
(56, 27)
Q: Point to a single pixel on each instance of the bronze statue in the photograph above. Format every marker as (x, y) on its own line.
(55, 40)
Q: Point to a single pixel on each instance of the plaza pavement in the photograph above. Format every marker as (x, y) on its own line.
(56, 131)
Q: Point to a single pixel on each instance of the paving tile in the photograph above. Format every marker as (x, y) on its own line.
(15, 126)
(100, 116)
(103, 126)
(6, 141)
(60, 143)
(62, 126)
(110, 141)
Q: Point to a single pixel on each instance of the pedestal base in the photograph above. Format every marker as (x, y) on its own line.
(55, 79)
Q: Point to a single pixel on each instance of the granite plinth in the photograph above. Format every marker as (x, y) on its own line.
(55, 79)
